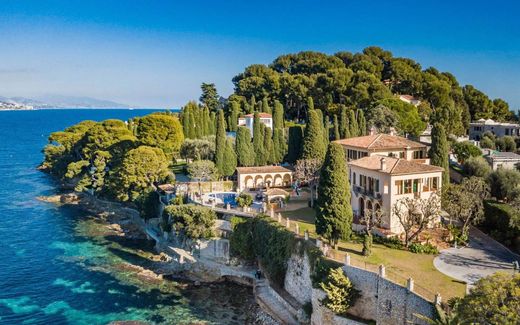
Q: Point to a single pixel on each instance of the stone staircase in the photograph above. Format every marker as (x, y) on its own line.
(276, 306)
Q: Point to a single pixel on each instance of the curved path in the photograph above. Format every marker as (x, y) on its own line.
(482, 257)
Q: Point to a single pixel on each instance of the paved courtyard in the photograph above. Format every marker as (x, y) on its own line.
(483, 256)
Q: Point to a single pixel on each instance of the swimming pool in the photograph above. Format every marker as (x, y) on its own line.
(222, 198)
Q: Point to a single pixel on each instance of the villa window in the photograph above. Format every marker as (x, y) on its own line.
(408, 186)
(363, 181)
(377, 185)
(354, 178)
(418, 154)
(416, 184)
(399, 187)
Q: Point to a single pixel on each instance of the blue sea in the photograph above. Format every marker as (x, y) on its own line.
(56, 267)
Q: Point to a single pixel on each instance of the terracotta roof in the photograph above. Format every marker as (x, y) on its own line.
(263, 169)
(276, 191)
(167, 187)
(262, 115)
(379, 142)
(394, 166)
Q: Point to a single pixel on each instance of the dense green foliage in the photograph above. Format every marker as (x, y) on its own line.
(439, 152)
(361, 80)
(477, 166)
(408, 119)
(419, 248)
(502, 222)
(230, 159)
(295, 143)
(197, 121)
(203, 170)
(140, 169)
(314, 146)
(258, 141)
(505, 184)
(333, 210)
(464, 150)
(210, 97)
(244, 200)
(161, 130)
(190, 221)
(340, 292)
(493, 300)
(198, 149)
(244, 147)
(220, 143)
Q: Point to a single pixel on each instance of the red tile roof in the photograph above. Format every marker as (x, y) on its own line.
(379, 142)
(394, 166)
(263, 169)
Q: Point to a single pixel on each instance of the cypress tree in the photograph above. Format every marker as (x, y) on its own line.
(313, 145)
(353, 126)
(362, 123)
(258, 140)
(230, 159)
(344, 127)
(186, 122)
(280, 146)
(294, 150)
(310, 104)
(244, 147)
(336, 128)
(212, 123)
(326, 131)
(333, 209)
(233, 116)
(220, 143)
(270, 155)
(253, 103)
(278, 115)
(439, 152)
(198, 122)
(265, 106)
(205, 121)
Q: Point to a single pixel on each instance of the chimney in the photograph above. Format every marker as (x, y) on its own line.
(383, 164)
(373, 130)
(392, 131)
(408, 153)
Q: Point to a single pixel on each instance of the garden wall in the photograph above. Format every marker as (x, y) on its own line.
(204, 187)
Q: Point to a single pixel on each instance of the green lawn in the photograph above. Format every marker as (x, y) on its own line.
(400, 264)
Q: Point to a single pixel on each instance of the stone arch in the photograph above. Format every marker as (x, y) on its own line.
(287, 180)
(259, 181)
(278, 180)
(268, 180)
(361, 207)
(248, 182)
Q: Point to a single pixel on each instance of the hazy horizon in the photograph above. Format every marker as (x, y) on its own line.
(157, 55)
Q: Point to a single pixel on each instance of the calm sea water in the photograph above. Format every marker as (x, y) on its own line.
(55, 268)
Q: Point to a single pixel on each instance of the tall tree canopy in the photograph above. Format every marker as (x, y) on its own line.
(439, 152)
(313, 144)
(244, 147)
(210, 97)
(333, 210)
(161, 130)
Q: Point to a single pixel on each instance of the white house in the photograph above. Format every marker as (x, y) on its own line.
(497, 159)
(500, 129)
(378, 182)
(410, 100)
(247, 121)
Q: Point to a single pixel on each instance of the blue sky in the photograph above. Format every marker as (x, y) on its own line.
(157, 53)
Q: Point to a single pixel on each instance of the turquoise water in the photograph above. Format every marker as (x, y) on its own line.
(57, 267)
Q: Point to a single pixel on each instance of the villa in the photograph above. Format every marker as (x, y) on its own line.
(385, 168)
(384, 145)
(410, 100)
(497, 159)
(263, 176)
(247, 121)
(500, 129)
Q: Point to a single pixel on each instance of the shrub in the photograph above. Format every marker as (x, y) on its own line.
(477, 166)
(340, 292)
(241, 239)
(457, 236)
(367, 245)
(177, 200)
(464, 150)
(191, 221)
(423, 249)
(505, 184)
(244, 200)
(503, 223)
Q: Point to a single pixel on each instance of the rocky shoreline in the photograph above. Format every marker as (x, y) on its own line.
(124, 223)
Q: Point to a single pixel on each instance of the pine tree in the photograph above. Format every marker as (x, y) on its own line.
(362, 123)
(209, 97)
(336, 128)
(333, 209)
(294, 150)
(313, 145)
(244, 147)
(230, 159)
(439, 152)
(278, 115)
(353, 126)
(220, 143)
(258, 140)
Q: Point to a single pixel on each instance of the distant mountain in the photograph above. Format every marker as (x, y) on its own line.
(58, 101)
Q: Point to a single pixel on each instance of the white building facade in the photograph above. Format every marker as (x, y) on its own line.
(499, 129)
(247, 121)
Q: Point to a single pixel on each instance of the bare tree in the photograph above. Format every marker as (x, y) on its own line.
(308, 171)
(415, 214)
(371, 219)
